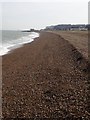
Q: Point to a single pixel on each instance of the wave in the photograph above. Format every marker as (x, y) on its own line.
(5, 48)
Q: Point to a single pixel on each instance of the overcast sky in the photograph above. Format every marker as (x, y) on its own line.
(26, 15)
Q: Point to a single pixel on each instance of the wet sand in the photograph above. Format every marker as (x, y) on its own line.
(47, 78)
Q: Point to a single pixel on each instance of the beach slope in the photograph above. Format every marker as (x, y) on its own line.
(47, 78)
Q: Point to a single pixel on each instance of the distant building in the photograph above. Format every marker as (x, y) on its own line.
(67, 27)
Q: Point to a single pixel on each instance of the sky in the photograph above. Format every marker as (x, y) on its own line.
(27, 14)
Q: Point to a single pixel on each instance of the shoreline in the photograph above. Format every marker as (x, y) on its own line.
(20, 47)
(12, 46)
(46, 78)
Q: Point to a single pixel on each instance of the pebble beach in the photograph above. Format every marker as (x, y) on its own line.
(47, 78)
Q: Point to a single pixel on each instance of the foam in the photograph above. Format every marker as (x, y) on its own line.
(5, 48)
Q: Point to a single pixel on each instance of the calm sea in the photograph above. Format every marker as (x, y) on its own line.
(13, 39)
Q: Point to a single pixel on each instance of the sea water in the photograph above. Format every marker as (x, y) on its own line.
(10, 39)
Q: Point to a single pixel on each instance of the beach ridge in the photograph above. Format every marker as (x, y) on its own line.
(45, 79)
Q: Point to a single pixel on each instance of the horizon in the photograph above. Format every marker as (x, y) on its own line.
(43, 28)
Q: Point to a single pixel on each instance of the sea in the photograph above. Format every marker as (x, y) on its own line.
(10, 39)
